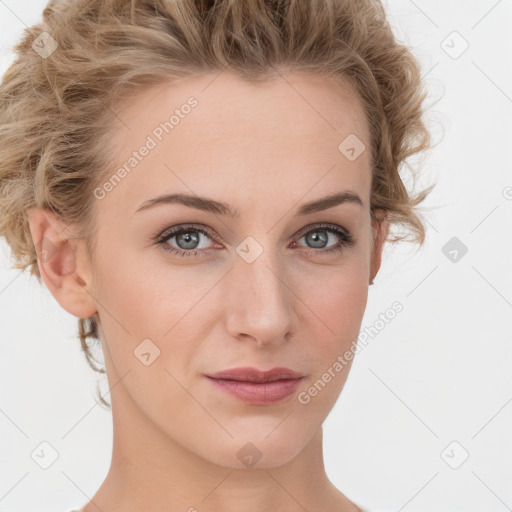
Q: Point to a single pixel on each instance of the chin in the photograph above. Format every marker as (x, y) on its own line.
(260, 451)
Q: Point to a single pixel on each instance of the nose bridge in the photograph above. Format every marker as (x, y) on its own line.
(260, 302)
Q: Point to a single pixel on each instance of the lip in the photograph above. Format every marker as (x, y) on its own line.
(248, 374)
(256, 386)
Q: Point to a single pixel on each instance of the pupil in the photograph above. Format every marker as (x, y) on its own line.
(322, 238)
(188, 239)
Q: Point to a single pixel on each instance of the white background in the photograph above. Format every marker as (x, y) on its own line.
(439, 372)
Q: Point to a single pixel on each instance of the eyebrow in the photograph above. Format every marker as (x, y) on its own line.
(212, 206)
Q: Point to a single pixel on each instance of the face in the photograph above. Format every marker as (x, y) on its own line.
(188, 288)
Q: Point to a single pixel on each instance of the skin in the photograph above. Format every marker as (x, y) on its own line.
(265, 150)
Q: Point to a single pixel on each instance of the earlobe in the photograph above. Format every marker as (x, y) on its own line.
(58, 263)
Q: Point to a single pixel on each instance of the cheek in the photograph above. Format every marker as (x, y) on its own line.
(151, 297)
(337, 295)
(146, 299)
(147, 317)
(336, 302)
(164, 304)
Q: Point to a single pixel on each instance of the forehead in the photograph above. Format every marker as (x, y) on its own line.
(218, 133)
(316, 104)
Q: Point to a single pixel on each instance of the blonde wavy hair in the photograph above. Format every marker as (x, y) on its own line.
(56, 109)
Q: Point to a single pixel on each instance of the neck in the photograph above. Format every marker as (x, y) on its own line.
(150, 471)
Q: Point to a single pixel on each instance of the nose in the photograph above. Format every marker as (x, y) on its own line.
(260, 302)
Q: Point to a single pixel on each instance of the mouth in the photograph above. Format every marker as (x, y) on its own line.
(255, 386)
(257, 376)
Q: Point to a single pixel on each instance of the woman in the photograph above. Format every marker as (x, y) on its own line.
(208, 186)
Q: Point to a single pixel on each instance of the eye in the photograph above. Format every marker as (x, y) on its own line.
(190, 240)
(318, 237)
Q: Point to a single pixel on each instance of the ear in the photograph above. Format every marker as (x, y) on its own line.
(380, 231)
(61, 262)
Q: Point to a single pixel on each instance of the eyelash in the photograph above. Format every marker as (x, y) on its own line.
(346, 239)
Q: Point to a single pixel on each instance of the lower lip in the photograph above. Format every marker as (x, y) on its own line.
(258, 393)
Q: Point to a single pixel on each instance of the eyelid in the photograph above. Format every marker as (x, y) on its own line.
(183, 227)
(321, 225)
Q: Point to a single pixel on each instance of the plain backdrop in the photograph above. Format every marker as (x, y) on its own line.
(425, 419)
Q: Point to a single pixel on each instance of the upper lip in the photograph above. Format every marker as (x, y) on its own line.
(255, 375)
